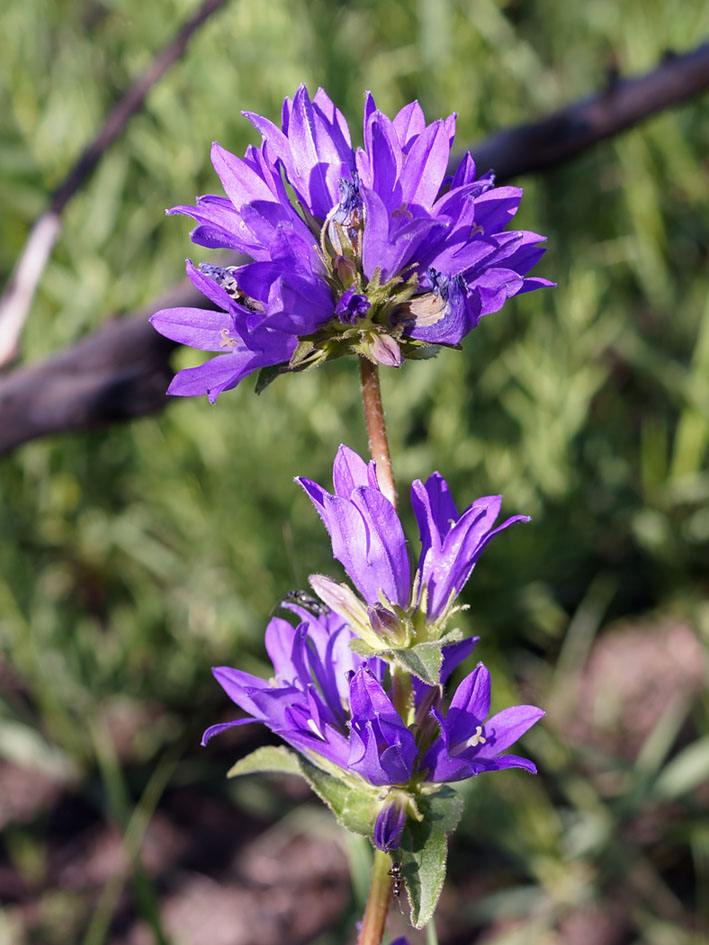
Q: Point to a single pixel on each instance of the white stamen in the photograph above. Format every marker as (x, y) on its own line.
(477, 739)
(312, 725)
(227, 341)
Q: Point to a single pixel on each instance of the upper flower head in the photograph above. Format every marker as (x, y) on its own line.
(335, 708)
(371, 251)
(367, 538)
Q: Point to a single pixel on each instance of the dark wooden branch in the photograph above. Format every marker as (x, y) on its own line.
(121, 370)
(626, 102)
(117, 372)
(128, 104)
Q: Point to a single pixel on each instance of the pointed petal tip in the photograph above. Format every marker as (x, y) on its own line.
(174, 388)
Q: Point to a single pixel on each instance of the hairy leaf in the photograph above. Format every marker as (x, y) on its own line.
(269, 758)
(424, 849)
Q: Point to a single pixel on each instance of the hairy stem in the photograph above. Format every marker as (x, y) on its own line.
(375, 915)
(401, 689)
(376, 427)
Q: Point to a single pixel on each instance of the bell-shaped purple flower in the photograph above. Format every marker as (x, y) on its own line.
(382, 749)
(375, 256)
(470, 743)
(450, 543)
(367, 537)
(326, 701)
(304, 701)
(333, 707)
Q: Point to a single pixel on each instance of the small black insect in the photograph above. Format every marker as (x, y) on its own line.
(224, 277)
(399, 881)
(307, 602)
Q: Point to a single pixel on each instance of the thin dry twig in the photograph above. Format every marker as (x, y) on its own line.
(122, 369)
(21, 287)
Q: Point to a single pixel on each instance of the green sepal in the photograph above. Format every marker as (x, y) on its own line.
(267, 375)
(267, 759)
(364, 649)
(420, 353)
(303, 350)
(424, 849)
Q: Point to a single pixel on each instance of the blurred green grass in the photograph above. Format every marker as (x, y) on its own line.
(133, 560)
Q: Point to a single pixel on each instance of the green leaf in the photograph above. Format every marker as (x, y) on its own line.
(424, 849)
(423, 660)
(351, 805)
(686, 771)
(269, 758)
(358, 813)
(425, 871)
(443, 809)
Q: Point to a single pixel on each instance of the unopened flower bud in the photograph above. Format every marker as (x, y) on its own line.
(390, 822)
(387, 625)
(383, 349)
(345, 270)
(345, 603)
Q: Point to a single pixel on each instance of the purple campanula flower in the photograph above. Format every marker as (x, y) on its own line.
(367, 538)
(469, 742)
(377, 254)
(451, 543)
(333, 707)
(352, 306)
(304, 701)
(382, 749)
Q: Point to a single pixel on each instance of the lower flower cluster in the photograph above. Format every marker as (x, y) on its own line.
(336, 708)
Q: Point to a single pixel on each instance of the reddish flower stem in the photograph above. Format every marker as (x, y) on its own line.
(376, 427)
(375, 915)
(379, 900)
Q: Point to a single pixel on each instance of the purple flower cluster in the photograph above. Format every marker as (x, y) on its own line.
(378, 254)
(368, 539)
(334, 707)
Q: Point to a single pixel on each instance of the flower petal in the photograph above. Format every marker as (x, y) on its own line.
(503, 729)
(198, 327)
